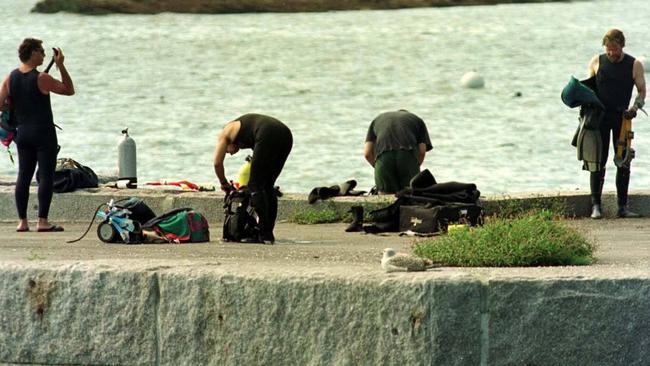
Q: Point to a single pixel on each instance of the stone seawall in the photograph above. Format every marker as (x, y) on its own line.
(318, 297)
(247, 6)
(160, 314)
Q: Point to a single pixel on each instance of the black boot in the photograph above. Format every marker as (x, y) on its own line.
(626, 214)
(357, 219)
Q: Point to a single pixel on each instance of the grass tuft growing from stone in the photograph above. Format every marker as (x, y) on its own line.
(329, 212)
(511, 207)
(321, 214)
(533, 239)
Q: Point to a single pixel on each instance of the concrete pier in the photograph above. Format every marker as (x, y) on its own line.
(316, 297)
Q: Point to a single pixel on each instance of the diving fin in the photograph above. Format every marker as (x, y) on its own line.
(345, 188)
(624, 151)
(322, 193)
(422, 180)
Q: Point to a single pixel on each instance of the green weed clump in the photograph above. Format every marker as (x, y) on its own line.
(321, 215)
(329, 212)
(513, 208)
(536, 239)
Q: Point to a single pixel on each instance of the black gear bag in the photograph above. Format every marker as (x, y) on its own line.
(240, 220)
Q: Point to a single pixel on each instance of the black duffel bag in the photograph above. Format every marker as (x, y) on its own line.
(239, 216)
(70, 175)
(426, 219)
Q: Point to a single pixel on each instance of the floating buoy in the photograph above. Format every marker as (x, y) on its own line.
(472, 80)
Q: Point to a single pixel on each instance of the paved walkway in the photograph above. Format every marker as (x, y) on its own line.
(318, 296)
(622, 243)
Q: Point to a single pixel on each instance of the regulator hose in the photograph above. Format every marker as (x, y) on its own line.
(92, 221)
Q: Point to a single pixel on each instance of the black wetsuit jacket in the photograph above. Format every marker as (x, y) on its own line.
(614, 83)
(271, 142)
(33, 111)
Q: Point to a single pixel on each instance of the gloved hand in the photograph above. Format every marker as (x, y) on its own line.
(227, 187)
(629, 114)
(6, 104)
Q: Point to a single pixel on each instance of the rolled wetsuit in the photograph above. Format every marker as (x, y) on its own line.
(35, 139)
(271, 142)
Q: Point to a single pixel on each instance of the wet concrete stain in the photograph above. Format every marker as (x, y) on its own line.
(39, 291)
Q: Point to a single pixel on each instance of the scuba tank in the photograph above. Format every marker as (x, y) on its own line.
(245, 172)
(127, 165)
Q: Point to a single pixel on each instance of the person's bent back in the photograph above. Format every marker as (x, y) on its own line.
(396, 144)
(271, 142)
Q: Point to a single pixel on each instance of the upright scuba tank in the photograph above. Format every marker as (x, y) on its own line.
(245, 172)
(127, 164)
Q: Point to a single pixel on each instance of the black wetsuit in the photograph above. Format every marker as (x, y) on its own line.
(614, 84)
(36, 140)
(271, 142)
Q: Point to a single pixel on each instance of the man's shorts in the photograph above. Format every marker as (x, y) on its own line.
(394, 170)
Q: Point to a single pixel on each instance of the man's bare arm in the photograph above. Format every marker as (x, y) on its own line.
(422, 152)
(46, 83)
(4, 93)
(369, 152)
(219, 156)
(593, 67)
(639, 82)
(226, 137)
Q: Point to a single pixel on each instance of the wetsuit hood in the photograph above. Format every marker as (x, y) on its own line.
(577, 93)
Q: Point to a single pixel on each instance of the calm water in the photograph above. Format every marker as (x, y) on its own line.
(175, 79)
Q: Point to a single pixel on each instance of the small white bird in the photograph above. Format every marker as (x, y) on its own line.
(400, 262)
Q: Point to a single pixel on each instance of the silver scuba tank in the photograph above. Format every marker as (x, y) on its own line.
(127, 164)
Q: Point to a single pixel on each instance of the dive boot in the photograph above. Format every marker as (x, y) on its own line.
(596, 212)
(626, 214)
(251, 240)
(267, 238)
(357, 219)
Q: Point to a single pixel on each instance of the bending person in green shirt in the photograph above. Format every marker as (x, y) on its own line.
(396, 144)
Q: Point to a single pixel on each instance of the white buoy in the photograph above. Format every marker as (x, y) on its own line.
(472, 80)
(645, 62)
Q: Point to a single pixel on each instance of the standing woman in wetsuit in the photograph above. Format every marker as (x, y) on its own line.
(36, 140)
(271, 142)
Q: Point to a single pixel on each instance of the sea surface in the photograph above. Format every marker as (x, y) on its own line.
(176, 79)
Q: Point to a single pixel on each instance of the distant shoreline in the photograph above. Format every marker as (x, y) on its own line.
(99, 7)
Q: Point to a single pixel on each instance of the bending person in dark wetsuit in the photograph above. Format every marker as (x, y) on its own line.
(29, 91)
(616, 74)
(396, 144)
(271, 142)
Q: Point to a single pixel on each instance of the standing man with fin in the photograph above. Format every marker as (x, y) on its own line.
(271, 142)
(36, 138)
(616, 74)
